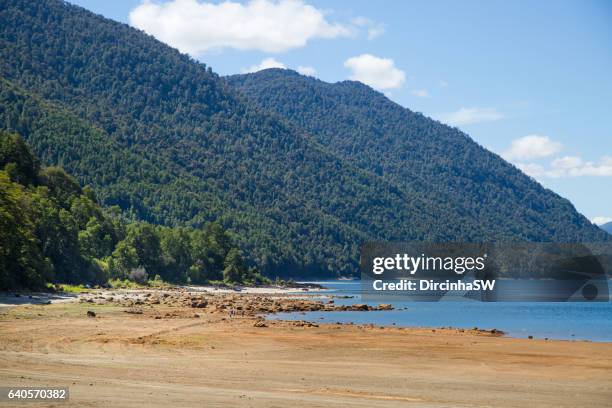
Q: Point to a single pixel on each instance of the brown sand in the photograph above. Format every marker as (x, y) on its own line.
(177, 360)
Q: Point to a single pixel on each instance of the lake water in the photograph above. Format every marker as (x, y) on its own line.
(560, 320)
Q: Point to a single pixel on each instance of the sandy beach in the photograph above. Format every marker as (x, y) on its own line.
(144, 353)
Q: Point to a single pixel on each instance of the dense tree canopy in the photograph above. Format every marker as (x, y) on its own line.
(168, 142)
(52, 230)
(416, 153)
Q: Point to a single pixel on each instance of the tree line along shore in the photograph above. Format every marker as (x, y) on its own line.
(53, 230)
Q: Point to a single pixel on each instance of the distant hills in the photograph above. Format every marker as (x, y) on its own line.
(301, 172)
(607, 227)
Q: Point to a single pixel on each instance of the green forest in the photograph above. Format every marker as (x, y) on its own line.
(52, 230)
(296, 172)
(418, 154)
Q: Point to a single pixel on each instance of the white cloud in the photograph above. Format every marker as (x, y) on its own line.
(264, 64)
(306, 70)
(379, 73)
(374, 29)
(567, 162)
(569, 166)
(538, 147)
(421, 93)
(576, 167)
(532, 147)
(265, 25)
(471, 115)
(601, 220)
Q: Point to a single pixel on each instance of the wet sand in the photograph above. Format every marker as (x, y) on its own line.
(162, 355)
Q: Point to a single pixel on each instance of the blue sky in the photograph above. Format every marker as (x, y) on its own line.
(531, 81)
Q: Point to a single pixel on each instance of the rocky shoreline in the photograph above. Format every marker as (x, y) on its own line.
(231, 304)
(182, 303)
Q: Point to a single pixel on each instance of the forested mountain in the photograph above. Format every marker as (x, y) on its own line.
(170, 142)
(607, 227)
(52, 230)
(413, 152)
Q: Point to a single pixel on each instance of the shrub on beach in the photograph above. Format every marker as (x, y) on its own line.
(139, 275)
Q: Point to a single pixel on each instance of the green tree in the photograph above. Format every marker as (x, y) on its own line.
(21, 262)
(234, 270)
(63, 187)
(96, 240)
(145, 241)
(123, 260)
(17, 160)
(176, 248)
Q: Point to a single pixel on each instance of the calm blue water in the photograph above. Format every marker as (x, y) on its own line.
(564, 321)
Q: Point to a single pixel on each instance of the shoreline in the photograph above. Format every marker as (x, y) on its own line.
(182, 351)
(288, 300)
(16, 297)
(259, 290)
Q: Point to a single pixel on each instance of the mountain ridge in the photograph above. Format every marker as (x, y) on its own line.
(255, 163)
(206, 152)
(349, 118)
